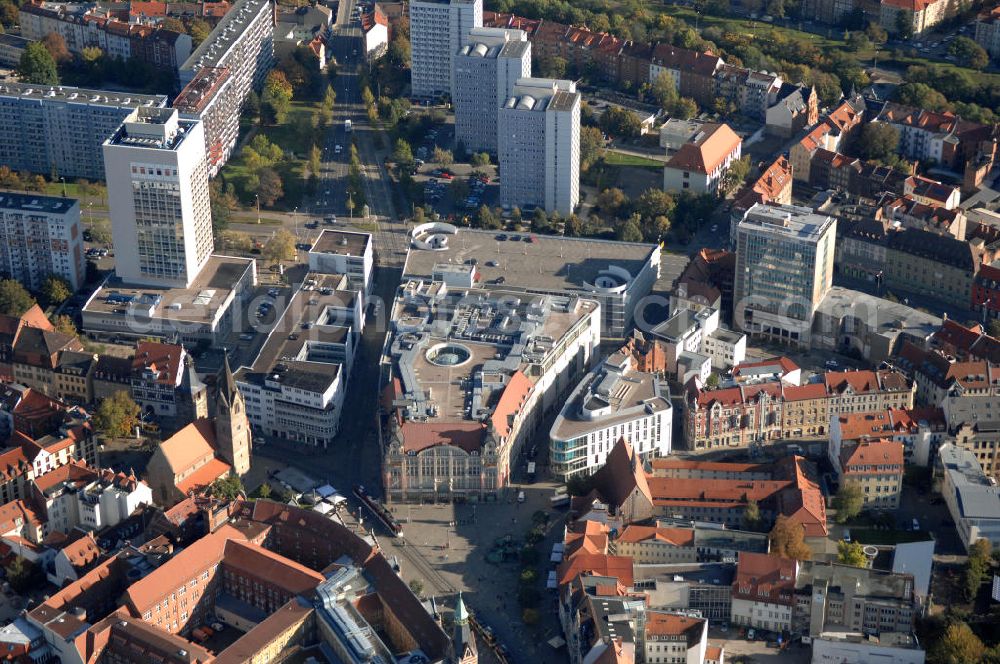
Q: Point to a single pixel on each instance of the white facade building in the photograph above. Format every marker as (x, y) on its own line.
(895, 647)
(161, 218)
(41, 236)
(437, 30)
(487, 67)
(973, 499)
(539, 145)
(344, 252)
(784, 269)
(295, 388)
(699, 332)
(612, 402)
(234, 59)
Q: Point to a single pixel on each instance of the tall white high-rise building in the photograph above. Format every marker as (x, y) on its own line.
(437, 30)
(161, 220)
(784, 269)
(487, 67)
(539, 145)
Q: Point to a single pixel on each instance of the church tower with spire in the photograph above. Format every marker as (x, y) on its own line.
(463, 640)
(232, 429)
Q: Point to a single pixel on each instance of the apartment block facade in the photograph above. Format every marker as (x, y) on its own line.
(539, 145)
(41, 236)
(438, 29)
(60, 130)
(487, 67)
(219, 75)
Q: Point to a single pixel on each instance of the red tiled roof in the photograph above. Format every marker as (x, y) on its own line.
(619, 567)
(674, 536)
(621, 474)
(514, 395)
(805, 392)
(82, 552)
(783, 363)
(707, 466)
(204, 476)
(662, 624)
(707, 151)
(164, 360)
(419, 436)
(871, 457)
(260, 563)
(762, 577)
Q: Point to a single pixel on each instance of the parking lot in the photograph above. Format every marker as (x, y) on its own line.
(758, 652)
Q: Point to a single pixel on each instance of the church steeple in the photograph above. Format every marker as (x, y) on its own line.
(227, 385)
(463, 641)
(232, 429)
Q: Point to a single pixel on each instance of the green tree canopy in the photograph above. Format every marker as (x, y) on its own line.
(878, 141)
(969, 53)
(228, 488)
(959, 645)
(37, 65)
(848, 501)
(851, 553)
(280, 247)
(117, 415)
(270, 188)
(402, 153)
(591, 144)
(751, 515)
(55, 290)
(14, 299)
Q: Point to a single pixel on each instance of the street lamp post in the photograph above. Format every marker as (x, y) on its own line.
(257, 198)
(63, 180)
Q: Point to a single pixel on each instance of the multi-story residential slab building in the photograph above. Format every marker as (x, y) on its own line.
(784, 269)
(83, 25)
(988, 31)
(66, 126)
(943, 137)
(875, 465)
(539, 145)
(41, 236)
(295, 388)
(973, 499)
(487, 67)
(618, 275)
(470, 383)
(218, 76)
(438, 29)
(614, 401)
(11, 49)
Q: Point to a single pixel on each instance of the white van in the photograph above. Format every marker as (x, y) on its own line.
(520, 496)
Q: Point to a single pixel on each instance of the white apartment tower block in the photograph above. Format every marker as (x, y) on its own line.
(539, 145)
(41, 236)
(161, 219)
(437, 30)
(487, 67)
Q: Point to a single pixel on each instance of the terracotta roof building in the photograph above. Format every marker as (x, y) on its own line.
(876, 466)
(764, 591)
(699, 166)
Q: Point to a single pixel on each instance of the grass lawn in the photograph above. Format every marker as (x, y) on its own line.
(613, 158)
(74, 190)
(872, 536)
